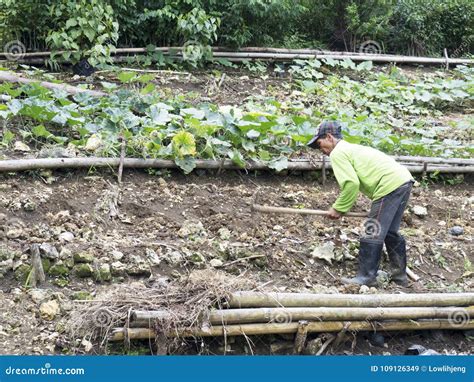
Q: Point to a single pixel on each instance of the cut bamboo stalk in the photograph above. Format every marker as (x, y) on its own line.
(300, 339)
(412, 275)
(301, 211)
(10, 77)
(249, 299)
(12, 165)
(268, 54)
(37, 277)
(118, 334)
(269, 315)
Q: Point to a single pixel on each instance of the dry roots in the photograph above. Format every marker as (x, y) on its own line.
(187, 301)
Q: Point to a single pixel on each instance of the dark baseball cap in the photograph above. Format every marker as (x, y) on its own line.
(331, 127)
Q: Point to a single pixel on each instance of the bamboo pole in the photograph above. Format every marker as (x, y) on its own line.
(12, 165)
(282, 55)
(118, 334)
(301, 211)
(269, 315)
(249, 299)
(10, 77)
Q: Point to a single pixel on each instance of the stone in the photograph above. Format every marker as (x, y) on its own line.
(59, 269)
(49, 310)
(224, 233)
(324, 252)
(49, 251)
(82, 295)
(14, 233)
(364, 289)
(216, 263)
(118, 268)
(117, 255)
(29, 206)
(191, 228)
(420, 211)
(152, 256)
(138, 267)
(38, 295)
(456, 230)
(105, 272)
(21, 272)
(20, 146)
(83, 257)
(93, 143)
(66, 237)
(174, 258)
(83, 270)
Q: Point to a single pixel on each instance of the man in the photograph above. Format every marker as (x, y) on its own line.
(387, 183)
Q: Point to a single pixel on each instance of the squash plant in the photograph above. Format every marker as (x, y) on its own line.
(87, 30)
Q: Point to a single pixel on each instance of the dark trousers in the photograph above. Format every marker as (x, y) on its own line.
(384, 219)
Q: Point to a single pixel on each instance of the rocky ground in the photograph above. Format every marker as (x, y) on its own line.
(167, 225)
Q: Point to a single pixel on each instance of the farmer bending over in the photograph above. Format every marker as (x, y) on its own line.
(387, 183)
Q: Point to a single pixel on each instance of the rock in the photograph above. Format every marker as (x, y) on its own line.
(117, 255)
(38, 295)
(420, 211)
(438, 193)
(456, 230)
(65, 253)
(224, 233)
(49, 310)
(83, 270)
(5, 267)
(216, 263)
(83, 257)
(152, 256)
(382, 277)
(117, 268)
(191, 228)
(324, 252)
(21, 272)
(66, 237)
(20, 146)
(441, 223)
(313, 346)
(105, 273)
(87, 345)
(364, 289)
(49, 251)
(29, 206)
(420, 350)
(174, 258)
(93, 143)
(59, 269)
(162, 182)
(82, 295)
(15, 233)
(138, 267)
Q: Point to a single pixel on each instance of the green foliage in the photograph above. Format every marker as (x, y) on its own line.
(388, 111)
(86, 29)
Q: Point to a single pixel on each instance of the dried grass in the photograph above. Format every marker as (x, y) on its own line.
(187, 301)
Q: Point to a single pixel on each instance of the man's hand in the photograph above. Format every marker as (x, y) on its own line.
(333, 214)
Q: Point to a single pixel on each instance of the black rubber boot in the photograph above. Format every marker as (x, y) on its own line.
(369, 261)
(397, 256)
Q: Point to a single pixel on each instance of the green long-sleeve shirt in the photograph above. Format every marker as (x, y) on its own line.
(360, 168)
